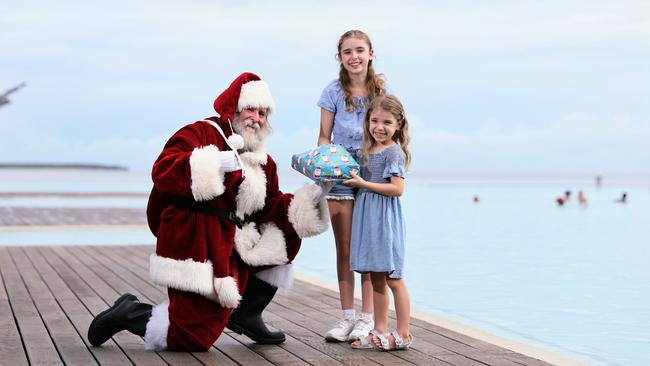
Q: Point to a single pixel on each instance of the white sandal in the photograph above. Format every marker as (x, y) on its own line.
(367, 342)
(399, 342)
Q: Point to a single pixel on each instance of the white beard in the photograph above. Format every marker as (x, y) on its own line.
(252, 140)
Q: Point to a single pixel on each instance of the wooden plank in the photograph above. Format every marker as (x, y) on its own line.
(139, 257)
(425, 331)
(69, 344)
(214, 357)
(468, 347)
(139, 254)
(296, 346)
(108, 262)
(146, 293)
(273, 353)
(236, 351)
(319, 323)
(58, 289)
(40, 349)
(132, 345)
(11, 346)
(294, 353)
(426, 341)
(90, 301)
(78, 314)
(302, 327)
(327, 316)
(138, 272)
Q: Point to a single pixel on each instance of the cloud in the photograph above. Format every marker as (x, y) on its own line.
(576, 143)
(498, 81)
(28, 145)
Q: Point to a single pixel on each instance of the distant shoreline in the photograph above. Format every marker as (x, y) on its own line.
(117, 175)
(62, 166)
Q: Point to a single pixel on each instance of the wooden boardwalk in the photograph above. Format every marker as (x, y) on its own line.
(49, 295)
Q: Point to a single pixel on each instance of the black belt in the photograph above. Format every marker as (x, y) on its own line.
(194, 206)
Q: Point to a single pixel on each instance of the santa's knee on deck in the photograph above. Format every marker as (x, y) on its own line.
(195, 322)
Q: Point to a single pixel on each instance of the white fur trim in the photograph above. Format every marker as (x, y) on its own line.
(207, 179)
(256, 94)
(185, 275)
(235, 141)
(257, 157)
(340, 198)
(257, 249)
(252, 191)
(278, 276)
(227, 291)
(307, 218)
(155, 337)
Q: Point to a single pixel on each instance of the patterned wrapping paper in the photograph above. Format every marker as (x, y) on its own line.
(326, 163)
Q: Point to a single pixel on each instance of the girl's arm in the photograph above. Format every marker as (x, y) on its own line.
(326, 124)
(393, 188)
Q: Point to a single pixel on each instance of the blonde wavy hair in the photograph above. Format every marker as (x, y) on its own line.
(393, 106)
(375, 84)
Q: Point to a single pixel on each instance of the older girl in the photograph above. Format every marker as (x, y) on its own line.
(343, 107)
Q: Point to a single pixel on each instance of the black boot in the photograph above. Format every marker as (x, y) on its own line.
(127, 313)
(247, 319)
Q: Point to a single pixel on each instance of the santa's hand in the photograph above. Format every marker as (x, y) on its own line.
(320, 190)
(228, 161)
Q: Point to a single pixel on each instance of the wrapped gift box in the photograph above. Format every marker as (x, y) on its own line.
(326, 163)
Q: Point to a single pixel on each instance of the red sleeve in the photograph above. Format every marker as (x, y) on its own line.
(189, 164)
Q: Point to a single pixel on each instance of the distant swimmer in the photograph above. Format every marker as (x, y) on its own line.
(563, 199)
(582, 199)
(623, 198)
(476, 199)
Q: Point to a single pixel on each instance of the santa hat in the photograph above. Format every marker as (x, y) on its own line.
(246, 91)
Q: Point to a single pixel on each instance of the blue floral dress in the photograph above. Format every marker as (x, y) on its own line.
(378, 229)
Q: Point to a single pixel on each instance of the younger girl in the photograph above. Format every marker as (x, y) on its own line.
(377, 244)
(343, 107)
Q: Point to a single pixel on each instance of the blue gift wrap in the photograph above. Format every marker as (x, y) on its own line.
(326, 163)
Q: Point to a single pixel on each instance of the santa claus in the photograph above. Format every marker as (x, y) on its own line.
(226, 234)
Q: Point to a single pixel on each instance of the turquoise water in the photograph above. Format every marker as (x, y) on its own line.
(573, 280)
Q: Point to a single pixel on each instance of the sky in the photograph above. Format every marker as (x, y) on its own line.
(498, 87)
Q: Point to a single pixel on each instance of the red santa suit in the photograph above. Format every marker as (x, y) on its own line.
(204, 259)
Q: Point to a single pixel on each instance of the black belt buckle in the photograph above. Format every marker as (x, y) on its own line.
(234, 218)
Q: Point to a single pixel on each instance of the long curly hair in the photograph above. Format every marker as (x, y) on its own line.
(393, 106)
(375, 84)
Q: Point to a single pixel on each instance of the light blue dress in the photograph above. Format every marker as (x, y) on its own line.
(377, 243)
(348, 126)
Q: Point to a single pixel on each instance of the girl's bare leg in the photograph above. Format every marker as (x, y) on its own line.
(341, 216)
(366, 294)
(402, 306)
(381, 299)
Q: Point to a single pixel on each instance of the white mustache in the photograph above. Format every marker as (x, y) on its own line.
(251, 123)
